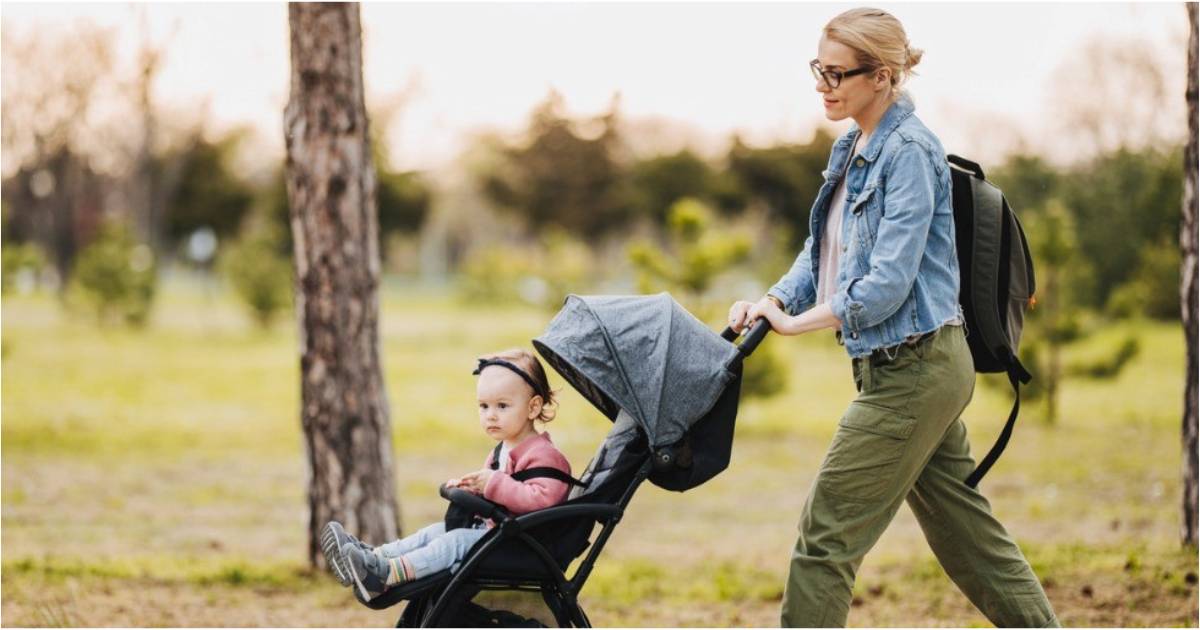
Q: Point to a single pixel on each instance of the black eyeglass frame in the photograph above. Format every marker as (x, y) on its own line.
(833, 78)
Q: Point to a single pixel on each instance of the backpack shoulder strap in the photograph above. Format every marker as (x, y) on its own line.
(1016, 373)
(987, 257)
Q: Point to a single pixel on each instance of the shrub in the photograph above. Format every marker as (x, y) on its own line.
(21, 265)
(1109, 367)
(699, 249)
(116, 276)
(765, 374)
(261, 278)
(494, 274)
(1153, 291)
(542, 274)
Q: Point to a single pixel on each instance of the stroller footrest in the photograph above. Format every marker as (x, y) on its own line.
(408, 590)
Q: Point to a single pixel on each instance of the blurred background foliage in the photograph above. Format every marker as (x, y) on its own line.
(129, 228)
(567, 204)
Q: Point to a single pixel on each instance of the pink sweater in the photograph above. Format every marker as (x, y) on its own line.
(533, 494)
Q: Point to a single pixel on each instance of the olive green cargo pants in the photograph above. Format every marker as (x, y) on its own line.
(902, 438)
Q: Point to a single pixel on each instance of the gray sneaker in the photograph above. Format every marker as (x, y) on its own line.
(369, 571)
(332, 539)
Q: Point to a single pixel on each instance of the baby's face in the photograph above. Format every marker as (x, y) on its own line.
(505, 409)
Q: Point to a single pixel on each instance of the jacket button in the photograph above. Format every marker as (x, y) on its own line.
(843, 247)
(859, 162)
(854, 335)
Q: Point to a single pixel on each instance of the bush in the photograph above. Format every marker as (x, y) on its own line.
(564, 268)
(1153, 291)
(116, 276)
(1109, 367)
(764, 374)
(261, 278)
(699, 249)
(541, 275)
(493, 274)
(21, 265)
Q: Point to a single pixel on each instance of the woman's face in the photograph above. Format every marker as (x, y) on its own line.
(855, 94)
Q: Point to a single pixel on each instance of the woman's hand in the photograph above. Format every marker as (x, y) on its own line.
(742, 313)
(767, 309)
(739, 313)
(476, 481)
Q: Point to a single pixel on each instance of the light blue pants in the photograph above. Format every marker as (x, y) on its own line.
(433, 549)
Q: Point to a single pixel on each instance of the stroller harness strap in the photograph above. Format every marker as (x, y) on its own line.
(539, 471)
(458, 516)
(546, 471)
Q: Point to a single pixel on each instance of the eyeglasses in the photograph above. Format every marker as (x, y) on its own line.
(833, 78)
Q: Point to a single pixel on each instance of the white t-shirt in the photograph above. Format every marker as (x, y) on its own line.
(831, 244)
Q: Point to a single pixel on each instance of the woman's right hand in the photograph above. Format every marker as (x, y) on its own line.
(737, 313)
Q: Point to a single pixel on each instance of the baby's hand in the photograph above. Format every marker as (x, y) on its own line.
(476, 481)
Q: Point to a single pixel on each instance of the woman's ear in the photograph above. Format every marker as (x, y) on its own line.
(883, 78)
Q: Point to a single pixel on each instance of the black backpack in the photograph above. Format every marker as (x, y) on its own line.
(996, 273)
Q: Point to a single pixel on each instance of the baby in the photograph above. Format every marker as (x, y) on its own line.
(513, 394)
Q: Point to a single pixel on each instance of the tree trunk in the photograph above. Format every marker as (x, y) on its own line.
(1187, 293)
(335, 232)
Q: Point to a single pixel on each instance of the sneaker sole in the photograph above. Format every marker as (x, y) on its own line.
(362, 589)
(331, 547)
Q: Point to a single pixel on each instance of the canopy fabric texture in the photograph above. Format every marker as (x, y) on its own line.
(646, 355)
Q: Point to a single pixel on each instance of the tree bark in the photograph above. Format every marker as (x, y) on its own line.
(335, 233)
(1187, 293)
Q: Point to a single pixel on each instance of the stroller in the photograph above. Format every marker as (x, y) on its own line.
(670, 386)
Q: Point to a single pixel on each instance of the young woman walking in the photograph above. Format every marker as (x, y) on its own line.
(880, 268)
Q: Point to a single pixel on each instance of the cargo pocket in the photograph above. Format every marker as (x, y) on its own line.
(861, 463)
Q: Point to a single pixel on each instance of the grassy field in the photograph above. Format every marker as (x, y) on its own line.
(156, 478)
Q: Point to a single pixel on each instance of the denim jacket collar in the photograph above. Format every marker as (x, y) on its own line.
(902, 108)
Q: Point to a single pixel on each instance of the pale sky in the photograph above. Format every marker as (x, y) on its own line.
(711, 68)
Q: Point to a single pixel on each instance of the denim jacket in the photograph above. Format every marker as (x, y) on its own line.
(898, 268)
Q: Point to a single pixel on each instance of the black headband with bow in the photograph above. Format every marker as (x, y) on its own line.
(537, 389)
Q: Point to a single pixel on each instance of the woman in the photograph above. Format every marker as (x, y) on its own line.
(880, 268)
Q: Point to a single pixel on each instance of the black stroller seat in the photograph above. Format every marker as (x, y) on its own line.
(533, 551)
(670, 386)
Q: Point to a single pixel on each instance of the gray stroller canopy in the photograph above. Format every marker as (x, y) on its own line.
(644, 354)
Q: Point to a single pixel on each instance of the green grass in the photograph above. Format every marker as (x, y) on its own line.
(156, 477)
(195, 571)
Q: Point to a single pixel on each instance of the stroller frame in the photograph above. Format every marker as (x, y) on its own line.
(559, 592)
(445, 598)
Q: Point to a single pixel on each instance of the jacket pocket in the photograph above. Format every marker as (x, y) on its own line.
(866, 222)
(869, 442)
(860, 202)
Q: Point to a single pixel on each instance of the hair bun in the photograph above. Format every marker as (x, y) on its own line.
(914, 57)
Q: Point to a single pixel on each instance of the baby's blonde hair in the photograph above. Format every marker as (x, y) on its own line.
(530, 364)
(878, 40)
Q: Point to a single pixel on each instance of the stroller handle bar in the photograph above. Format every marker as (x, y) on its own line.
(750, 341)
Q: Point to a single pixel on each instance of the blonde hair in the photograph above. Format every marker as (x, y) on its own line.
(530, 364)
(878, 40)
